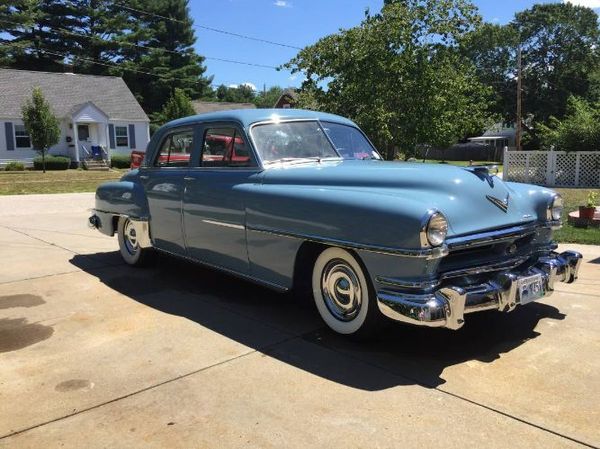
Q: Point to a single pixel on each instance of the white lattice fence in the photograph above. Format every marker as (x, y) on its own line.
(553, 168)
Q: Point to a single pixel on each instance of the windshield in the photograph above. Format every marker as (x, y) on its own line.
(289, 141)
(349, 142)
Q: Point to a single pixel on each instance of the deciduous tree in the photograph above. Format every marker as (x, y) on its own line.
(178, 106)
(400, 75)
(41, 124)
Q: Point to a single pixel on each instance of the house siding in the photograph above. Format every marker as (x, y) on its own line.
(141, 132)
(61, 148)
(140, 139)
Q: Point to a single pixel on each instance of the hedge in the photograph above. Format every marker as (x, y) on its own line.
(120, 161)
(15, 166)
(52, 163)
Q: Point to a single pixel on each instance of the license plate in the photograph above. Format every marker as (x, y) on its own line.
(530, 288)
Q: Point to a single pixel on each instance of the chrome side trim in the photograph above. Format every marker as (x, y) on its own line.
(226, 225)
(429, 253)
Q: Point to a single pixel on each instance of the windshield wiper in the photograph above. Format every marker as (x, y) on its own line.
(301, 160)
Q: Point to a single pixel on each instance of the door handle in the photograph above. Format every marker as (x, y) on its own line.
(144, 177)
(189, 178)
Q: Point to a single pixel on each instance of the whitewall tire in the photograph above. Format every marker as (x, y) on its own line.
(343, 293)
(131, 251)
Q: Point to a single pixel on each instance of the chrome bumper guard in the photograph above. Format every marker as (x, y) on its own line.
(447, 306)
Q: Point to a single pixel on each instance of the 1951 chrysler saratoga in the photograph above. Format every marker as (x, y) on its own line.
(297, 199)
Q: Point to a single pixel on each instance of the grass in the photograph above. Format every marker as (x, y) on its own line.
(573, 199)
(60, 181)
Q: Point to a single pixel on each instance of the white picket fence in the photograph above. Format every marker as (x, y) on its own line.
(553, 168)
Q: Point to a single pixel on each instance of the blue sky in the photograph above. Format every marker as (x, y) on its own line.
(294, 22)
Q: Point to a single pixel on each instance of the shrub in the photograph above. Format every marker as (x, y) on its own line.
(120, 161)
(52, 163)
(14, 166)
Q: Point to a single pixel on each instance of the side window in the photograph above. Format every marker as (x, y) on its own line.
(175, 149)
(225, 147)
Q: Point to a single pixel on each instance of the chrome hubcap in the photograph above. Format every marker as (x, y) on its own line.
(130, 237)
(341, 290)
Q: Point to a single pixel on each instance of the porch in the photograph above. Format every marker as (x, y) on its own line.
(90, 137)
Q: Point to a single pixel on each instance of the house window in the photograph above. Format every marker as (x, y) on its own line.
(122, 136)
(22, 139)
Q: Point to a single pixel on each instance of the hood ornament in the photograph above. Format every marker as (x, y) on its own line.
(500, 204)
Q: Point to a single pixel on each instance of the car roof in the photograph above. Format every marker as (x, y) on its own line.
(247, 117)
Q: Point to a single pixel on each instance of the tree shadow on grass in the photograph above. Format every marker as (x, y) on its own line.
(288, 330)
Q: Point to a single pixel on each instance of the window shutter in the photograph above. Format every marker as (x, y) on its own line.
(111, 135)
(10, 136)
(132, 137)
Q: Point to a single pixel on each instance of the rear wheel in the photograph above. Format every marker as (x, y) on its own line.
(343, 294)
(131, 251)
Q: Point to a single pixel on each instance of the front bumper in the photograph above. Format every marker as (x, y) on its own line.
(447, 306)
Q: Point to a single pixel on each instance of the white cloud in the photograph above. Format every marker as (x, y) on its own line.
(250, 85)
(232, 86)
(588, 3)
(282, 3)
(495, 20)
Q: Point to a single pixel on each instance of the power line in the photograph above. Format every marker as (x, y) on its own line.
(105, 64)
(204, 27)
(132, 44)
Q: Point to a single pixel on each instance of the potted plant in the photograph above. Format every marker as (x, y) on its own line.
(587, 211)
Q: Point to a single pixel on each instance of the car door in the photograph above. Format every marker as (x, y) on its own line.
(214, 215)
(163, 182)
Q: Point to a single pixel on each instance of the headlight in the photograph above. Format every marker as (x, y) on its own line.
(436, 229)
(555, 208)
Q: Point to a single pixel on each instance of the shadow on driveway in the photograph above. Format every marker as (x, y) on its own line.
(412, 355)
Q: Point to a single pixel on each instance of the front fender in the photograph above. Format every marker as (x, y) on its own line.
(366, 217)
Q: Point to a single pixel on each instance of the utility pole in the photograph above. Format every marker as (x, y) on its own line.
(519, 89)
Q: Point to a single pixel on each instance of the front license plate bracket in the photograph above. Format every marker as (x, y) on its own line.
(530, 288)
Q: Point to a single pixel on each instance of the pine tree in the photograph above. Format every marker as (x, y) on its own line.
(27, 38)
(91, 30)
(173, 61)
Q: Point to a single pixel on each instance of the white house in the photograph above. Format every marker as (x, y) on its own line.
(498, 136)
(94, 111)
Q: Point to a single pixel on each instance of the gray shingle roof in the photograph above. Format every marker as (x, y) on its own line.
(202, 107)
(65, 91)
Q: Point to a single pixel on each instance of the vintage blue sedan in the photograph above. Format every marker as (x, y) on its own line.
(302, 200)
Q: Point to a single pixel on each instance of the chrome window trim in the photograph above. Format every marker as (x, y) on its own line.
(273, 122)
(204, 127)
(428, 253)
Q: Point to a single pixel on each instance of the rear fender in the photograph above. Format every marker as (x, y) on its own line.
(121, 198)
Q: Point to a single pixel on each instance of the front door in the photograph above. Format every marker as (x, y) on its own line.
(163, 182)
(83, 133)
(214, 215)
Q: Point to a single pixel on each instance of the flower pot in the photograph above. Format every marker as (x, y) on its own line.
(586, 212)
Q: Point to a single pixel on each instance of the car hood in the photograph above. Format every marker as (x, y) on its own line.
(465, 196)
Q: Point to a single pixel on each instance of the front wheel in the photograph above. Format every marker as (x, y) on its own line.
(131, 251)
(343, 294)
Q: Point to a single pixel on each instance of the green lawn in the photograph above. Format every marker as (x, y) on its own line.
(60, 181)
(573, 199)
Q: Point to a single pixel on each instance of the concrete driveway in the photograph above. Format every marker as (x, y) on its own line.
(96, 354)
